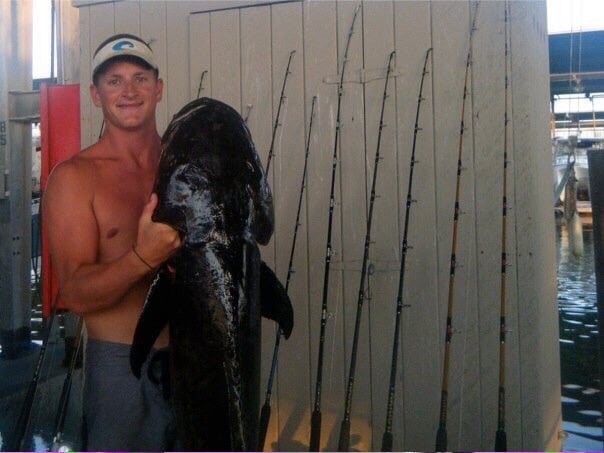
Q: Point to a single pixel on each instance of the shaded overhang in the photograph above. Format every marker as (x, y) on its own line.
(576, 63)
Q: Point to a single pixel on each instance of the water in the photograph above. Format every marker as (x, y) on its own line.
(579, 345)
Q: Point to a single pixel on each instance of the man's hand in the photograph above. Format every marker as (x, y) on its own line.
(155, 242)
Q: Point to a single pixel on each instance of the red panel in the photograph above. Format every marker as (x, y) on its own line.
(60, 139)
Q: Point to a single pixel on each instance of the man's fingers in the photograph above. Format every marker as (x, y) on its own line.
(156, 238)
(150, 206)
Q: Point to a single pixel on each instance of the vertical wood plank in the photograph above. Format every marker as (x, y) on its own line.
(153, 31)
(225, 57)
(200, 56)
(321, 61)
(256, 91)
(468, 344)
(256, 82)
(378, 43)
(256, 78)
(451, 30)
(467, 283)
(537, 317)
(353, 206)
(419, 364)
(513, 393)
(287, 164)
(102, 26)
(489, 107)
(178, 72)
(127, 17)
(449, 37)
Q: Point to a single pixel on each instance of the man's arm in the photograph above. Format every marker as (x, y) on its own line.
(73, 241)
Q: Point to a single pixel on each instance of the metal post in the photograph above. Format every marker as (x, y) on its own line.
(17, 110)
(595, 159)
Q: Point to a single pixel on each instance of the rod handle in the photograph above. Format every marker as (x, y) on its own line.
(265, 416)
(501, 442)
(315, 431)
(441, 439)
(387, 441)
(344, 442)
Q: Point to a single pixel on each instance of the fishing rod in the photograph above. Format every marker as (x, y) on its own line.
(281, 99)
(441, 434)
(248, 109)
(315, 422)
(265, 414)
(344, 441)
(387, 437)
(200, 87)
(24, 418)
(500, 434)
(59, 426)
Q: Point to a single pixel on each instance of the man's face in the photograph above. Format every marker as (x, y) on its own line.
(128, 95)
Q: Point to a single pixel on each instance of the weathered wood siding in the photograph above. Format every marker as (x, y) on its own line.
(241, 50)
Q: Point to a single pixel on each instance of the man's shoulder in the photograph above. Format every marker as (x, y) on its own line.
(78, 164)
(78, 170)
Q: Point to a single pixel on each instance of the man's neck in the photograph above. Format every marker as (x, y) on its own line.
(141, 147)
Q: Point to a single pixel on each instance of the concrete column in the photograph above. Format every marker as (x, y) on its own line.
(16, 105)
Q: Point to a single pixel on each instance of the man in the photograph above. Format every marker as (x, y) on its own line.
(104, 247)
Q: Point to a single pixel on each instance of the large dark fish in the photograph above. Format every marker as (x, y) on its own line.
(212, 292)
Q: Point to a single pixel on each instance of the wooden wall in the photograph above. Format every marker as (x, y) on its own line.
(245, 51)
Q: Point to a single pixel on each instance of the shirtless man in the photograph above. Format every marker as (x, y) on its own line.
(104, 246)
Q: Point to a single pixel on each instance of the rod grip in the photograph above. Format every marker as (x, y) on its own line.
(315, 431)
(441, 439)
(501, 441)
(265, 416)
(344, 442)
(387, 441)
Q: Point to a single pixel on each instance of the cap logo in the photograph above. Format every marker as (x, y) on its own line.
(121, 44)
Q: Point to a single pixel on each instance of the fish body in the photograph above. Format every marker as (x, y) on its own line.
(211, 188)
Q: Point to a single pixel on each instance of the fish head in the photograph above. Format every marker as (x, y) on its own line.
(188, 205)
(210, 182)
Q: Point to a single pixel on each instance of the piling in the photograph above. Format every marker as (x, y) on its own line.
(574, 225)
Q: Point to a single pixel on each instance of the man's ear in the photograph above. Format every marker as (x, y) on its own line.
(94, 95)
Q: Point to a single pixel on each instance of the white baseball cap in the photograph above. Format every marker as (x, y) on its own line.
(121, 45)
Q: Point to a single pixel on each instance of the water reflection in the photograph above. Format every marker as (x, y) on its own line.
(579, 345)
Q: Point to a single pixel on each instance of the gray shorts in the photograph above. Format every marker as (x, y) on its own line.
(121, 412)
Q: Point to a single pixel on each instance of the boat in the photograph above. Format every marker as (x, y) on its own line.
(569, 157)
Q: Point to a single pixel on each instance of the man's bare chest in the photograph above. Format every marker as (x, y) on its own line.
(118, 205)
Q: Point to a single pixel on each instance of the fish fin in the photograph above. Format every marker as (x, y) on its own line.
(153, 319)
(275, 304)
